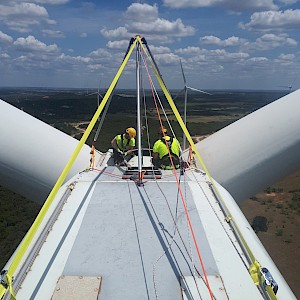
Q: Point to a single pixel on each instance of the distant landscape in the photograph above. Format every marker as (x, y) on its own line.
(274, 213)
(275, 216)
(65, 109)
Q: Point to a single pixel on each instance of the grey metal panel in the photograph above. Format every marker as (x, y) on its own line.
(124, 234)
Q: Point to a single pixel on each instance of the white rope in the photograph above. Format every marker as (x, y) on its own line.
(161, 106)
(220, 221)
(176, 229)
(146, 119)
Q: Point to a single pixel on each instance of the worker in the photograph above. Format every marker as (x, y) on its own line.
(161, 149)
(123, 145)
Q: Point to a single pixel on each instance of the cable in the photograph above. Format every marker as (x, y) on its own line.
(182, 198)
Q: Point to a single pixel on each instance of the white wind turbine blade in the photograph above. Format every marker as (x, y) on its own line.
(196, 90)
(185, 101)
(250, 136)
(95, 93)
(184, 79)
(33, 154)
(178, 94)
(90, 94)
(290, 86)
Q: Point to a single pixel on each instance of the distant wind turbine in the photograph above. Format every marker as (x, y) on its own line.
(290, 87)
(186, 88)
(98, 96)
(104, 112)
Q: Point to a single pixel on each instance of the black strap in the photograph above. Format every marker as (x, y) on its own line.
(123, 139)
(167, 142)
(172, 154)
(169, 145)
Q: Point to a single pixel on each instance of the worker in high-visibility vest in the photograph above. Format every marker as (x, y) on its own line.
(161, 149)
(123, 145)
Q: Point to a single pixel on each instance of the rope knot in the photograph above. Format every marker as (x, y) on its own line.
(6, 281)
(254, 271)
(228, 219)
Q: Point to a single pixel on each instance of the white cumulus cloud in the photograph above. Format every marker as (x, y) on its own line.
(213, 40)
(117, 33)
(144, 19)
(21, 16)
(51, 1)
(5, 37)
(73, 59)
(53, 33)
(289, 2)
(288, 57)
(167, 59)
(142, 12)
(234, 5)
(270, 20)
(159, 49)
(271, 41)
(4, 56)
(161, 26)
(32, 44)
(123, 44)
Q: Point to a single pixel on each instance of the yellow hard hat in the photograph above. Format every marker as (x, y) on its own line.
(131, 131)
(166, 138)
(162, 130)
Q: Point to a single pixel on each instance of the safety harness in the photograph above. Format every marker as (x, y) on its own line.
(165, 160)
(123, 140)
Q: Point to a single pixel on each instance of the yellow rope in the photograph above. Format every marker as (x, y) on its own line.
(33, 229)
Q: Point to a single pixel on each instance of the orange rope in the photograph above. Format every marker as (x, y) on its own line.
(143, 174)
(180, 191)
(107, 173)
(191, 155)
(92, 160)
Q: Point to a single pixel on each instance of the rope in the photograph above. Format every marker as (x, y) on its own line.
(220, 221)
(170, 243)
(33, 229)
(184, 129)
(92, 160)
(108, 173)
(138, 238)
(154, 90)
(146, 123)
(173, 218)
(102, 118)
(180, 191)
(190, 255)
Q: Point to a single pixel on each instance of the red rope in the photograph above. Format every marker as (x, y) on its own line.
(180, 191)
(191, 155)
(92, 160)
(107, 173)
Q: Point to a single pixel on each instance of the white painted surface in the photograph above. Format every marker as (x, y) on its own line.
(33, 154)
(112, 228)
(256, 151)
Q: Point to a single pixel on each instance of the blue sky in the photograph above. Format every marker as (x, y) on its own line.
(223, 44)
